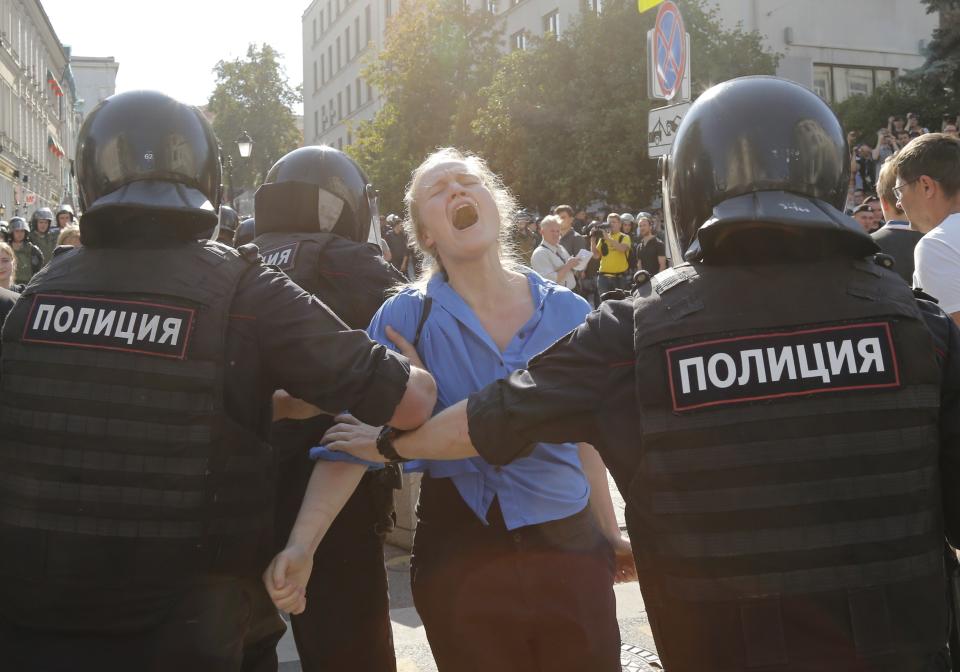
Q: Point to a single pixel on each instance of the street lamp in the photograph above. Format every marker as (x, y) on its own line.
(244, 145)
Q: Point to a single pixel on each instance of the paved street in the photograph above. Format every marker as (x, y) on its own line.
(413, 652)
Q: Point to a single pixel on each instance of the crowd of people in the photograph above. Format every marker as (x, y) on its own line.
(590, 253)
(25, 249)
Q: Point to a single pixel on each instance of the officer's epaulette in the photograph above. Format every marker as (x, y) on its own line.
(666, 280)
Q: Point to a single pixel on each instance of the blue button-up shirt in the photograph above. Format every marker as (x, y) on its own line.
(549, 484)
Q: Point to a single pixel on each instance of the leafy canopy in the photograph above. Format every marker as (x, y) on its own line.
(252, 94)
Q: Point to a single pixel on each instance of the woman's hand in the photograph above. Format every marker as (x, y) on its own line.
(625, 568)
(286, 579)
(351, 436)
(405, 347)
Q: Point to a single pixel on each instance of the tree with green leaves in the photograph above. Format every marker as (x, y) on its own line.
(436, 57)
(253, 94)
(940, 74)
(567, 121)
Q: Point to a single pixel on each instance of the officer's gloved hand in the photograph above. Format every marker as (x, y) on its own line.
(286, 578)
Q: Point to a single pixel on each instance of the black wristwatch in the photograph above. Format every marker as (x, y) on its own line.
(385, 444)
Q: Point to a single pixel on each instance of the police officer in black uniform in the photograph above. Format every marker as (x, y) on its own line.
(136, 503)
(325, 250)
(245, 233)
(793, 464)
(227, 225)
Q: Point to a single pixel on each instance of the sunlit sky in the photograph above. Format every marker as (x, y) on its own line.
(173, 45)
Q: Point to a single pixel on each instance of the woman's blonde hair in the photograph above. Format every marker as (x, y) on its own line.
(6, 249)
(505, 201)
(67, 232)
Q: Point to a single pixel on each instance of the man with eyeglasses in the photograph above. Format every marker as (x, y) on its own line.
(928, 190)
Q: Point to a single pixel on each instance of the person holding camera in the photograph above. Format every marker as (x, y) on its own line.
(886, 147)
(611, 246)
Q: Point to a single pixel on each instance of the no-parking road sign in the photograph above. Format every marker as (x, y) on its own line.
(669, 52)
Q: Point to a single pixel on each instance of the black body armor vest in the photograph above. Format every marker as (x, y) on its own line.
(351, 278)
(117, 455)
(786, 508)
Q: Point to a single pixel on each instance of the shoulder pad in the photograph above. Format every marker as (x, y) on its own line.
(884, 260)
(250, 252)
(61, 249)
(666, 280)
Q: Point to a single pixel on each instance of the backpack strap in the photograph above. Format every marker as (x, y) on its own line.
(424, 314)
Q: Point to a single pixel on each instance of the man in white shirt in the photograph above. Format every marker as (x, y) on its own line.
(928, 190)
(550, 259)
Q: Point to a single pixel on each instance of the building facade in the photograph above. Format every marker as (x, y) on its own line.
(38, 117)
(838, 49)
(96, 78)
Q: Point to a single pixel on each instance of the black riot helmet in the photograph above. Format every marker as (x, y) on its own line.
(315, 189)
(245, 233)
(759, 160)
(147, 163)
(227, 226)
(17, 224)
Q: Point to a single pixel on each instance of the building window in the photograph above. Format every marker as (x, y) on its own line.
(518, 41)
(349, 101)
(358, 90)
(349, 138)
(367, 24)
(514, 3)
(314, 30)
(369, 92)
(322, 27)
(330, 16)
(323, 69)
(594, 6)
(316, 80)
(346, 41)
(339, 56)
(836, 83)
(492, 6)
(338, 8)
(340, 144)
(316, 123)
(324, 117)
(339, 105)
(823, 82)
(551, 23)
(356, 34)
(333, 119)
(388, 8)
(330, 61)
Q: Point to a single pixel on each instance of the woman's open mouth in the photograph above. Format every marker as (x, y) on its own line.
(465, 216)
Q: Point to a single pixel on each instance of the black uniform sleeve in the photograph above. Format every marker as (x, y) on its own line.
(565, 395)
(946, 337)
(309, 351)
